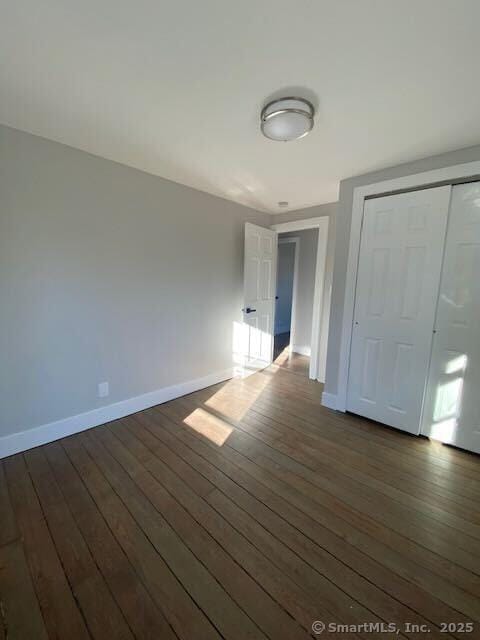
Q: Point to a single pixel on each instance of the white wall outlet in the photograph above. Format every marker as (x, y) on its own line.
(103, 390)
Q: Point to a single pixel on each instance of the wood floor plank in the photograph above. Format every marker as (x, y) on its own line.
(255, 596)
(144, 617)
(104, 618)
(59, 609)
(363, 525)
(183, 614)
(438, 507)
(319, 420)
(292, 392)
(204, 590)
(20, 615)
(312, 414)
(291, 411)
(367, 594)
(9, 529)
(250, 594)
(244, 511)
(350, 513)
(432, 534)
(391, 609)
(319, 477)
(291, 441)
(252, 561)
(451, 599)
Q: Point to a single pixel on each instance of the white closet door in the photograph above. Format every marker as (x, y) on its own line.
(397, 286)
(452, 403)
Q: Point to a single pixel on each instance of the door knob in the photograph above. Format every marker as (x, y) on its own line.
(249, 310)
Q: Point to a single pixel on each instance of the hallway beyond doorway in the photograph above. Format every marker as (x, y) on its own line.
(282, 356)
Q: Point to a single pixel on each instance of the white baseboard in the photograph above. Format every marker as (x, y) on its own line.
(329, 400)
(302, 350)
(23, 440)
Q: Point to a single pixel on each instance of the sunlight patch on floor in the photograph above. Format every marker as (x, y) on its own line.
(235, 409)
(209, 426)
(282, 357)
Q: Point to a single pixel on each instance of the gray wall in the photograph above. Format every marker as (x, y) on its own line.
(285, 271)
(104, 277)
(308, 242)
(343, 222)
(107, 274)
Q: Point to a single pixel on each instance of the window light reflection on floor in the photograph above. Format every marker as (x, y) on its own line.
(209, 426)
(245, 396)
(209, 423)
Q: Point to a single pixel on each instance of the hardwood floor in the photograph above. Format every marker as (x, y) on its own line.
(245, 510)
(280, 342)
(293, 362)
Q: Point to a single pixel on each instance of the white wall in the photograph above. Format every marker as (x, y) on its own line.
(107, 274)
(285, 271)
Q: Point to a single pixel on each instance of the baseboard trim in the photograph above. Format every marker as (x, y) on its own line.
(23, 440)
(329, 400)
(303, 351)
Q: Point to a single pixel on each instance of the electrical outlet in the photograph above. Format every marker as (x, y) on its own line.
(103, 390)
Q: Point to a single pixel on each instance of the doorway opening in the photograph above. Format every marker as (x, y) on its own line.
(286, 298)
(253, 338)
(302, 300)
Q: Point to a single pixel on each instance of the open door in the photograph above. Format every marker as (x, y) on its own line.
(260, 269)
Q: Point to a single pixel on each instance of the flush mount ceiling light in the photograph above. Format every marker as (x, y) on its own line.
(287, 119)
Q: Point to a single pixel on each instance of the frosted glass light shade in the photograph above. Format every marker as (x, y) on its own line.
(287, 119)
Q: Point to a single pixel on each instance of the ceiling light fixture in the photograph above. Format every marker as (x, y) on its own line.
(287, 119)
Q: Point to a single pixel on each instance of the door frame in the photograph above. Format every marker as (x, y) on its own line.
(319, 336)
(448, 175)
(296, 242)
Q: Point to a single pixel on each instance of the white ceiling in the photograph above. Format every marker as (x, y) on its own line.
(176, 87)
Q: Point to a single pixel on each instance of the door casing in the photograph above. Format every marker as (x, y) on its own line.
(321, 304)
(469, 171)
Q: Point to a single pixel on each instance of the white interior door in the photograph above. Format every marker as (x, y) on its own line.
(397, 286)
(452, 402)
(259, 295)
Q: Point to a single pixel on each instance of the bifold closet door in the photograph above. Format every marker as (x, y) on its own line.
(452, 401)
(398, 277)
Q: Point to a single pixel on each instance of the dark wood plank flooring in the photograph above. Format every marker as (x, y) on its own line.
(245, 510)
